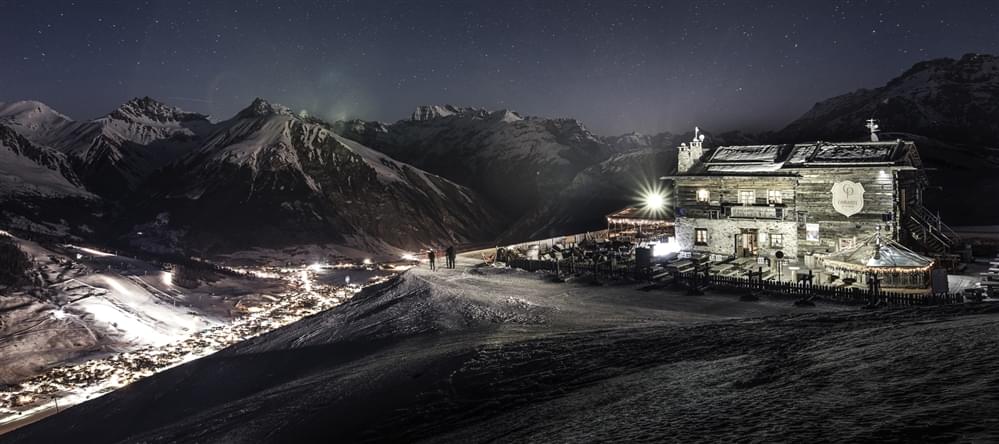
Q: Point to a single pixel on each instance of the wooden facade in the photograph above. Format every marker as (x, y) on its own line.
(733, 200)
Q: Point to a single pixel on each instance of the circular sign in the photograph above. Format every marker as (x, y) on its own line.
(779, 254)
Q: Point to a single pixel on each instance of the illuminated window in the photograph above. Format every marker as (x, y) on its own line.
(846, 243)
(811, 232)
(700, 236)
(747, 197)
(703, 195)
(776, 240)
(774, 197)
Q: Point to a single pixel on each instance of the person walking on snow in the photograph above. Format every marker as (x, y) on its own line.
(433, 259)
(450, 257)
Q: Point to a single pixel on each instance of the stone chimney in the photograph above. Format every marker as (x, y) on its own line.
(690, 155)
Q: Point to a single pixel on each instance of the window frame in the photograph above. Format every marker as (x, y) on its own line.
(750, 197)
(779, 244)
(706, 195)
(697, 236)
(775, 197)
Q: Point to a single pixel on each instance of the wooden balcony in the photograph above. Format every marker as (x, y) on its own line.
(755, 212)
(735, 211)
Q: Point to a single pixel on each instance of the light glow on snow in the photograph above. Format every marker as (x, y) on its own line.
(167, 278)
(664, 248)
(91, 251)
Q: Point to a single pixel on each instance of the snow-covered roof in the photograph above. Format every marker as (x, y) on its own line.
(783, 159)
(746, 168)
(878, 252)
(749, 153)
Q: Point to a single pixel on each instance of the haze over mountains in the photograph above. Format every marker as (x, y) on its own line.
(270, 178)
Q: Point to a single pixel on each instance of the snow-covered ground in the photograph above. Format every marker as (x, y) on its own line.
(477, 353)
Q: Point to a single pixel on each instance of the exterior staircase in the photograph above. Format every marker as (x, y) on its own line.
(926, 228)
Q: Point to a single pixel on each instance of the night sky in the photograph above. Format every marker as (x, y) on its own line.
(618, 66)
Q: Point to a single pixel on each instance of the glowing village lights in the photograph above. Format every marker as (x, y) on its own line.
(409, 257)
(167, 278)
(367, 261)
(76, 383)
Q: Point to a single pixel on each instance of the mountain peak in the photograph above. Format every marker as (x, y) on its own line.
(431, 112)
(261, 108)
(29, 108)
(948, 99)
(147, 108)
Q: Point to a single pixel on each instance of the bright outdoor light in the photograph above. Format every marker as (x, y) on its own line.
(655, 201)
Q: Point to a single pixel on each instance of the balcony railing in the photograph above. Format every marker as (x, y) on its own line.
(734, 212)
(754, 212)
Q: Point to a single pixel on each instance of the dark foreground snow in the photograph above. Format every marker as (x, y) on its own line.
(484, 355)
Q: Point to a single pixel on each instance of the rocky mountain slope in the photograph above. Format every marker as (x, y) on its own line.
(268, 177)
(514, 161)
(112, 154)
(265, 178)
(39, 190)
(946, 99)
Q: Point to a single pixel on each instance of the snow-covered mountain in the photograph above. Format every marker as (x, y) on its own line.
(34, 120)
(27, 169)
(515, 161)
(946, 99)
(39, 190)
(268, 177)
(113, 154)
(636, 141)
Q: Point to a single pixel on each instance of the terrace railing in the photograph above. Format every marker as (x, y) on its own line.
(840, 295)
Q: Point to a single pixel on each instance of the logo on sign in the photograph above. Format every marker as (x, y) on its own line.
(847, 197)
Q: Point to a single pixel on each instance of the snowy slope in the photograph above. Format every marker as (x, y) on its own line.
(486, 356)
(269, 176)
(34, 120)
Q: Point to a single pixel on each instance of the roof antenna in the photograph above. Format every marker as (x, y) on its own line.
(872, 124)
(698, 138)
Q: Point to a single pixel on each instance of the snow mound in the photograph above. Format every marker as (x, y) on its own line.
(406, 306)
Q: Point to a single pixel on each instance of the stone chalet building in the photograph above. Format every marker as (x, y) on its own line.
(805, 200)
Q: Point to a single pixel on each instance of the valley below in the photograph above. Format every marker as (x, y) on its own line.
(106, 320)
